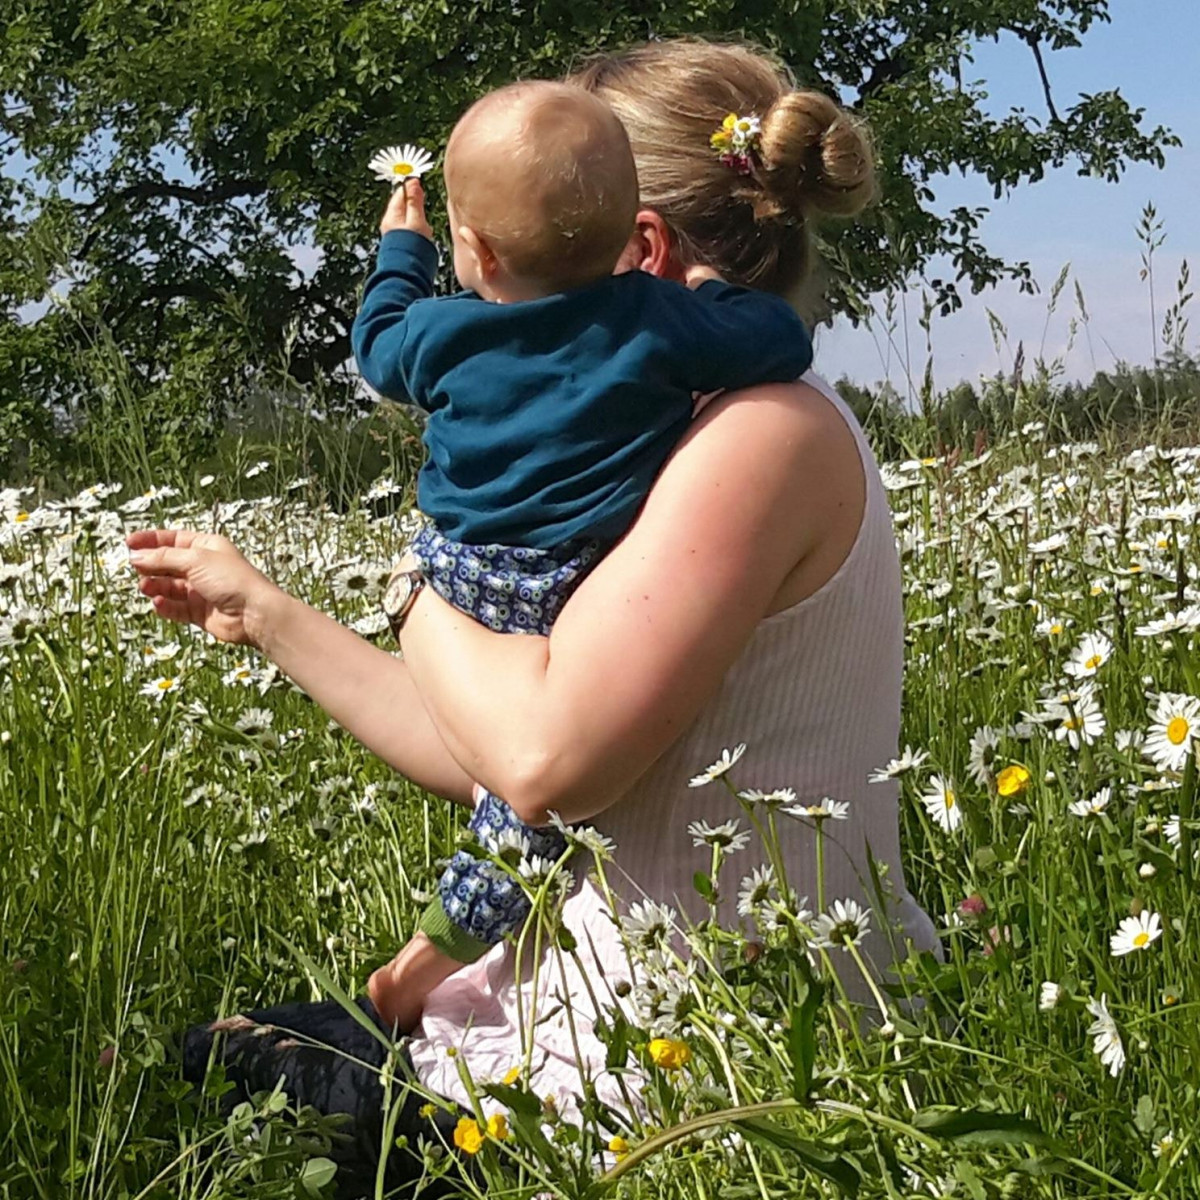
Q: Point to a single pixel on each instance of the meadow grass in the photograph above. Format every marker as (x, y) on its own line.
(183, 833)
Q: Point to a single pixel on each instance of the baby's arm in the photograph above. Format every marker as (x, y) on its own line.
(740, 337)
(403, 274)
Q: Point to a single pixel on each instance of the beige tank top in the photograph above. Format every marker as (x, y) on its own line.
(815, 696)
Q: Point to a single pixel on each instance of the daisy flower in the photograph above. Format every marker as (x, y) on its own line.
(843, 926)
(1136, 933)
(398, 163)
(1080, 721)
(908, 762)
(771, 800)
(1106, 1039)
(158, 688)
(1093, 807)
(722, 766)
(1049, 995)
(725, 835)
(826, 809)
(649, 924)
(984, 742)
(942, 803)
(1172, 730)
(755, 891)
(1089, 656)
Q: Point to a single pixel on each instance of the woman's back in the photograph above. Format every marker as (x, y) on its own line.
(815, 696)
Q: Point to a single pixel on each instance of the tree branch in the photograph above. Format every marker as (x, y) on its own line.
(1032, 41)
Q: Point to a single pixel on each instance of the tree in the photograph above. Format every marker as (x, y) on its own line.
(177, 154)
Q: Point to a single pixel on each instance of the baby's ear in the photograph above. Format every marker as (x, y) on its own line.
(485, 257)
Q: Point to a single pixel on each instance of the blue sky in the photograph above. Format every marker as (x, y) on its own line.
(1151, 53)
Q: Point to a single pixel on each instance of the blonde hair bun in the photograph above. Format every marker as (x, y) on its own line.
(818, 158)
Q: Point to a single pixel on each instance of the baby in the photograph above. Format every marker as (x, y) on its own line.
(555, 392)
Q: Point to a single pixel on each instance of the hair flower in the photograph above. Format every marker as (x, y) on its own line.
(736, 139)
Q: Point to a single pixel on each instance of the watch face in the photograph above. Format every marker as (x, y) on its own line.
(397, 594)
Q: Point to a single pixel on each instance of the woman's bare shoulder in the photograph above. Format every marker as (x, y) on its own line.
(792, 439)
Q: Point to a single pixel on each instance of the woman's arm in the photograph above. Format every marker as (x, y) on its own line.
(568, 723)
(201, 579)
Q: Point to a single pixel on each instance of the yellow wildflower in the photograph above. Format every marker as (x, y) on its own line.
(497, 1126)
(669, 1054)
(511, 1076)
(468, 1135)
(1013, 780)
(619, 1146)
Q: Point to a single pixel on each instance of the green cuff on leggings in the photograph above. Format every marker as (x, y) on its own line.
(449, 938)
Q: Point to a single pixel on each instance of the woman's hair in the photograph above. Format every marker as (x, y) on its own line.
(814, 158)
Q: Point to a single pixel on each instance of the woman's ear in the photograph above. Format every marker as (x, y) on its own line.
(651, 248)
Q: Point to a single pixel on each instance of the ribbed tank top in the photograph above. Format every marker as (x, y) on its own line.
(815, 695)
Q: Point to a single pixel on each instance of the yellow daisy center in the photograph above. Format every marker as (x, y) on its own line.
(165, 685)
(1177, 730)
(950, 800)
(21, 518)
(1071, 723)
(1141, 939)
(402, 168)
(1093, 662)
(1056, 628)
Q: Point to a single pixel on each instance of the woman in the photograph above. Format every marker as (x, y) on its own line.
(756, 599)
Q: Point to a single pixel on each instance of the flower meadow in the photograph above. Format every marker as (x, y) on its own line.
(183, 833)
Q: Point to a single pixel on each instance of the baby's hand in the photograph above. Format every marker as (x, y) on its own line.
(406, 210)
(697, 274)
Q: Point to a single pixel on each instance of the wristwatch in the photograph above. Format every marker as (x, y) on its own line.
(400, 595)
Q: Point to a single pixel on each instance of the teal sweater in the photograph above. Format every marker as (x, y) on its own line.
(550, 418)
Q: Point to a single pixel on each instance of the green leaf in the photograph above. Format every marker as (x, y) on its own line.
(802, 1038)
(317, 1174)
(836, 1168)
(978, 1127)
(704, 885)
(1143, 1116)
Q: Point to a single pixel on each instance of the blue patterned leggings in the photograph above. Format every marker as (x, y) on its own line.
(510, 589)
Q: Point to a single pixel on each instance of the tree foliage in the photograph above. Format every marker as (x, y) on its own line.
(194, 172)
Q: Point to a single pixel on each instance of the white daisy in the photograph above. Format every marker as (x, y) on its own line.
(984, 743)
(776, 799)
(844, 925)
(1049, 995)
(649, 924)
(909, 761)
(1136, 933)
(721, 767)
(826, 809)
(398, 163)
(1089, 656)
(1172, 730)
(755, 891)
(942, 803)
(1092, 807)
(1079, 719)
(158, 688)
(725, 835)
(1106, 1039)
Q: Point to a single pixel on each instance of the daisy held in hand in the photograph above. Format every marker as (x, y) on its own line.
(397, 164)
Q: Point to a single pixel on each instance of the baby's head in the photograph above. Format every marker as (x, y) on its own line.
(541, 189)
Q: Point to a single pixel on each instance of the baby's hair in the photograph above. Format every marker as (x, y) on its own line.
(544, 173)
(814, 157)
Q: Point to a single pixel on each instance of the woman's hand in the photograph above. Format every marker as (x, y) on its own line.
(200, 579)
